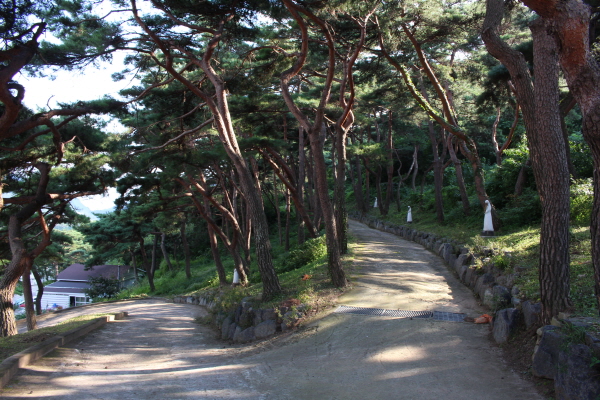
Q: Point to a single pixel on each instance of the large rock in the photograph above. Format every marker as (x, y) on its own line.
(225, 328)
(545, 355)
(531, 313)
(484, 282)
(246, 318)
(265, 329)
(462, 273)
(233, 328)
(500, 297)
(575, 378)
(470, 276)
(244, 336)
(461, 260)
(505, 324)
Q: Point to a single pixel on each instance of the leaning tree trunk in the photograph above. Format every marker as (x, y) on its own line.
(460, 180)
(336, 272)
(28, 295)
(147, 265)
(19, 261)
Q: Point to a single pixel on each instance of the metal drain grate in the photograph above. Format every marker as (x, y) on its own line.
(437, 315)
(447, 316)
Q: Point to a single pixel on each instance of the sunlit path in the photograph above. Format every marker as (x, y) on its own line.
(159, 352)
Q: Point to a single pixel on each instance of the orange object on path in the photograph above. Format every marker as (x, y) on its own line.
(484, 319)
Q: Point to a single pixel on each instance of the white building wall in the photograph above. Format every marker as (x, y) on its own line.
(49, 299)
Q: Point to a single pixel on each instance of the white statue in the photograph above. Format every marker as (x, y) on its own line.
(375, 205)
(409, 215)
(488, 225)
(236, 278)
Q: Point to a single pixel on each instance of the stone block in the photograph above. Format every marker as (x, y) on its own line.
(500, 297)
(482, 283)
(531, 313)
(506, 322)
(462, 259)
(469, 275)
(545, 355)
(246, 318)
(575, 378)
(462, 273)
(265, 329)
(244, 336)
(233, 328)
(257, 317)
(269, 315)
(516, 302)
(225, 328)
(488, 298)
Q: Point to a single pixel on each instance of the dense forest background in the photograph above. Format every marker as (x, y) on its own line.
(259, 124)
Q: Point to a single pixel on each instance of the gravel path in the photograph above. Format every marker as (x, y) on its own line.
(159, 352)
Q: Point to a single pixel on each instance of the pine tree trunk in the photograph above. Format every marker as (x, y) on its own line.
(288, 211)
(163, 248)
(300, 183)
(340, 211)
(460, 180)
(522, 177)
(570, 26)
(147, 266)
(40, 292)
(390, 165)
(541, 115)
(186, 249)
(28, 295)
(438, 174)
(334, 263)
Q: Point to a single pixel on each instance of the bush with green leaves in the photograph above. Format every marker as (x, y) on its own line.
(102, 288)
(582, 197)
(304, 254)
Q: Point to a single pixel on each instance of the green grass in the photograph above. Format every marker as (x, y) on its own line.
(14, 344)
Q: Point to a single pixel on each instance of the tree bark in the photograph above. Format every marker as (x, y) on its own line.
(28, 295)
(147, 265)
(20, 260)
(186, 249)
(460, 180)
(163, 248)
(541, 115)
(571, 21)
(40, 292)
(300, 183)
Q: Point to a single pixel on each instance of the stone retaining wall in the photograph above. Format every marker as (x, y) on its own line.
(574, 367)
(248, 323)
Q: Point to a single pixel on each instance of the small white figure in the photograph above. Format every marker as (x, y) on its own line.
(409, 215)
(488, 225)
(236, 278)
(375, 205)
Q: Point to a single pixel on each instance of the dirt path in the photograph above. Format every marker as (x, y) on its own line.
(160, 353)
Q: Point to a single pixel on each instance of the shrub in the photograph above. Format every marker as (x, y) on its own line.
(304, 254)
(582, 197)
(102, 288)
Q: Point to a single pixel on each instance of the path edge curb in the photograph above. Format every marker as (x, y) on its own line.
(10, 366)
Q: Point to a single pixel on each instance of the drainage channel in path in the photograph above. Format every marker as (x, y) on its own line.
(436, 315)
